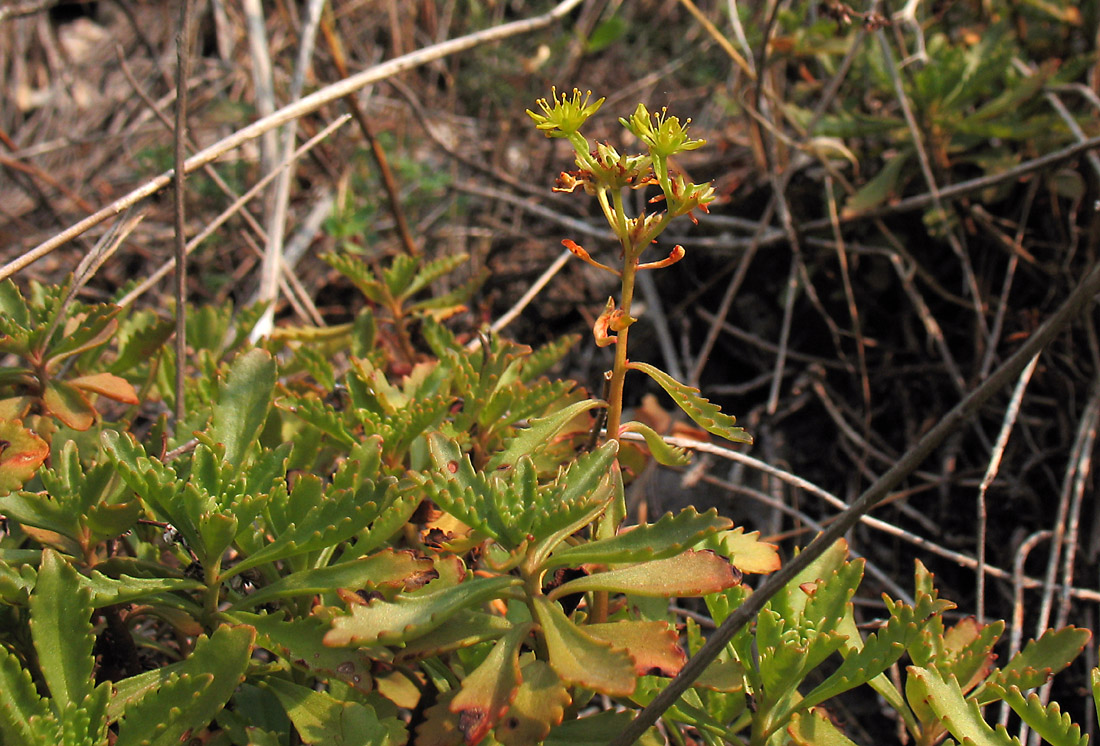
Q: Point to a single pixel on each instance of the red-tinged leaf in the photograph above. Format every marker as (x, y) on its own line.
(488, 691)
(693, 573)
(109, 385)
(539, 705)
(578, 658)
(654, 646)
(748, 553)
(68, 404)
(21, 453)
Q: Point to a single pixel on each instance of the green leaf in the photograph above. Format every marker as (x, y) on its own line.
(301, 642)
(187, 696)
(410, 616)
(539, 433)
(581, 659)
(61, 626)
(486, 693)
(1055, 726)
(464, 629)
(664, 453)
(882, 187)
(816, 729)
(339, 516)
(790, 602)
(244, 399)
(692, 573)
(389, 568)
(20, 704)
(431, 271)
(1036, 663)
(125, 589)
(21, 453)
(322, 720)
(746, 551)
(670, 535)
(598, 730)
(83, 332)
(13, 304)
(1094, 678)
(706, 415)
(464, 492)
(539, 704)
(961, 716)
(866, 659)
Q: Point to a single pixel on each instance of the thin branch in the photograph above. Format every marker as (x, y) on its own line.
(183, 72)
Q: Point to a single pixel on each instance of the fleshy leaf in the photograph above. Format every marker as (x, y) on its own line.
(1037, 662)
(61, 625)
(186, 697)
(866, 659)
(705, 414)
(816, 729)
(21, 703)
(301, 641)
(1055, 726)
(692, 573)
(581, 659)
(410, 616)
(388, 568)
(339, 516)
(664, 453)
(654, 646)
(670, 535)
(243, 402)
(21, 453)
(323, 720)
(538, 433)
(464, 629)
(106, 384)
(747, 552)
(539, 704)
(68, 404)
(488, 691)
(598, 730)
(962, 717)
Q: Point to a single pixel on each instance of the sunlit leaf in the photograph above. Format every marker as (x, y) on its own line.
(106, 384)
(539, 704)
(654, 646)
(705, 414)
(244, 399)
(410, 616)
(692, 573)
(581, 659)
(670, 535)
(61, 626)
(486, 693)
(21, 453)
